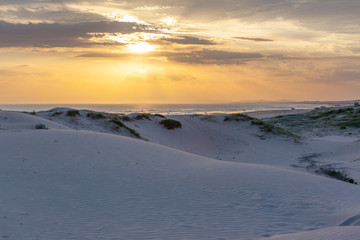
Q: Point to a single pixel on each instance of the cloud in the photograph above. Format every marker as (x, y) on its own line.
(327, 15)
(347, 75)
(187, 40)
(104, 55)
(60, 35)
(255, 39)
(49, 13)
(206, 56)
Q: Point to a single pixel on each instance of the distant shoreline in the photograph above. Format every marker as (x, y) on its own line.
(182, 109)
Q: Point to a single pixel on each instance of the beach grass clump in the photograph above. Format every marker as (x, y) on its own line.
(159, 115)
(339, 175)
(40, 126)
(95, 115)
(171, 124)
(125, 118)
(269, 128)
(57, 113)
(143, 116)
(332, 113)
(209, 118)
(238, 117)
(349, 124)
(72, 113)
(119, 124)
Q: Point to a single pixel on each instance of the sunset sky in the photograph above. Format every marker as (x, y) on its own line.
(172, 51)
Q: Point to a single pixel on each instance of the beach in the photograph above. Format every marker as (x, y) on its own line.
(80, 174)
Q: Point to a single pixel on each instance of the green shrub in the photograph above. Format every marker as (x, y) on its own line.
(351, 124)
(72, 113)
(171, 124)
(332, 113)
(95, 115)
(160, 115)
(143, 116)
(209, 118)
(57, 113)
(338, 175)
(126, 118)
(238, 117)
(40, 126)
(133, 132)
(119, 123)
(269, 128)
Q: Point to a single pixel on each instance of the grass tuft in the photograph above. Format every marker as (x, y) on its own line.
(72, 113)
(238, 117)
(143, 116)
(159, 115)
(57, 113)
(338, 175)
(119, 123)
(40, 126)
(171, 124)
(95, 115)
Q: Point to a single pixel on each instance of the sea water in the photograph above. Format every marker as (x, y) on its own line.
(172, 109)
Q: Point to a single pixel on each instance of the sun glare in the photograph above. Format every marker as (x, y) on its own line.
(141, 47)
(168, 20)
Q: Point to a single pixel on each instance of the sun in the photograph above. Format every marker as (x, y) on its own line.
(141, 47)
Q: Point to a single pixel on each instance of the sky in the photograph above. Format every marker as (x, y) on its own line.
(172, 51)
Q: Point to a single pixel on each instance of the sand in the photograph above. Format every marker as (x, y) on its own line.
(82, 178)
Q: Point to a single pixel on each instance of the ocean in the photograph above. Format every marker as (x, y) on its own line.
(173, 109)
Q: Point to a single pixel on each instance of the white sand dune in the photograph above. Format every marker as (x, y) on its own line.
(20, 121)
(333, 233)
(76, 184)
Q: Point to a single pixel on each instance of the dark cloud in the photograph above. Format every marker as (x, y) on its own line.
(187, 40)
(59, 14)
(59, 35)
(332, 15)
(329, 15)
(206, 56)
(255, 39)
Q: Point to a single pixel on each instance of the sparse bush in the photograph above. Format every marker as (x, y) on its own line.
(208, 118)
(337, 175)
(269, 128)
(119, 123)
(33, 113)
(159, 115)
(171, 124)
(72, 113)
(143, 116)
(57, 113)
(351, 124)
(238, 117)
(40, 126)
(133, 132)
(126, 118)
(332, 113)
(95, 115)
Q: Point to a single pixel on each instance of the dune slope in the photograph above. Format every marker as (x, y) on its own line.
(67, 184)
